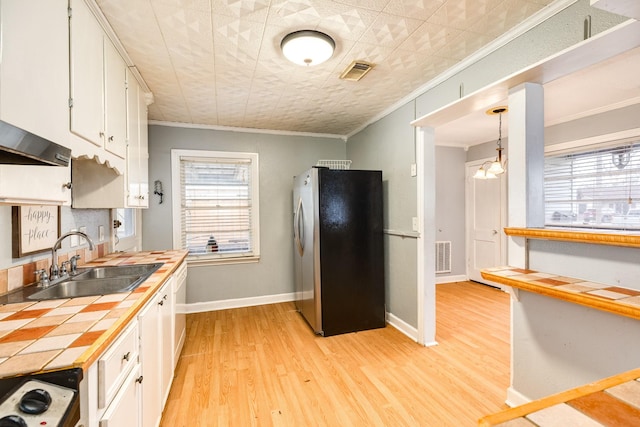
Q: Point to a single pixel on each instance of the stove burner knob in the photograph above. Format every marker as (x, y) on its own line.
(12, 421)
(35, 401)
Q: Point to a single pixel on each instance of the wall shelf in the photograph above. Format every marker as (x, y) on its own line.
(577, 236)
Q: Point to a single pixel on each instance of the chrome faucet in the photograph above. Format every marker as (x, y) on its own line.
(55, 270)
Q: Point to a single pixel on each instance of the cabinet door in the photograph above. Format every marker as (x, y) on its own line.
(143, 150)
(166, 329)
(86, 47)
(34, 76)
(133, 143)
(124, 409)
(29, 184)
(115, 83)
(150, 361)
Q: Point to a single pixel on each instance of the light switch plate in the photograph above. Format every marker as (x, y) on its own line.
(414, 223)
(74, 239)
(100, 233)
(414, 169)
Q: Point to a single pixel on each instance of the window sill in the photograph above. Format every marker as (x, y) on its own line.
(577, 236)
(207, 260)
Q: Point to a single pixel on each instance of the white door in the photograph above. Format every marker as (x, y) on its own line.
(485, 219)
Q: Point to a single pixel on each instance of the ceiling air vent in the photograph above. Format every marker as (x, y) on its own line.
(356, 70)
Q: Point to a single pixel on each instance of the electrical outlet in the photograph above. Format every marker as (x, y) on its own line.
(83, 229)
(100, 233)
(414, 169)
(414, 223)
(74, 239)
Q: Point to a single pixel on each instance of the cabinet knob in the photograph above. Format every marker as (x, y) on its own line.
(111, 138)
(127, 356)
(67, 185)
(139, 379)
(161, 302)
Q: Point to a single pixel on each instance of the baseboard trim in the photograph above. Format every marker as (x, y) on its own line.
(450, 279)
(515, 398)
(402, 326)
(200, 307)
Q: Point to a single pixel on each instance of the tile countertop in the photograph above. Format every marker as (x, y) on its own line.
(613, 401)
(614, 299)
(66, 333)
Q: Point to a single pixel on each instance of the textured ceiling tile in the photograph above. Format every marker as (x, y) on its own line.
(203, 5)
(420, 9)
(461, 14)
(219, 62)
(429, 37)
(296, 14)
(376, 5)
(390, 31)
(252, 10)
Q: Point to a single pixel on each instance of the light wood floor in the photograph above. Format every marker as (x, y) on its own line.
(263, 366)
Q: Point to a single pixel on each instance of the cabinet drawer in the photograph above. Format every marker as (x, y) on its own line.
(125, 408)
(116, 363)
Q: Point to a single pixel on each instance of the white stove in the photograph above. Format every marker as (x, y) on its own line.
(37, 403)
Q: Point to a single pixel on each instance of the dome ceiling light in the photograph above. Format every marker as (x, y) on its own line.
(307, 47)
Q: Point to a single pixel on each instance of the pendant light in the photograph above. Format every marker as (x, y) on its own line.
(491, 170)
(307, 47)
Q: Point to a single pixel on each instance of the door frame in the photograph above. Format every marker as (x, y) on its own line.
(468, 166)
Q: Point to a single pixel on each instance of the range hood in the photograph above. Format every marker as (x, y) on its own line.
(19, 147)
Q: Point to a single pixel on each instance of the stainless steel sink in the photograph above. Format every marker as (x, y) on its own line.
(116, 271)
(98, 281)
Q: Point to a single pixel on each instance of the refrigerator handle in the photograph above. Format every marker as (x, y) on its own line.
(298, 232)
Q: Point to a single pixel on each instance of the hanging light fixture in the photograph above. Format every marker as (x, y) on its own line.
(491, 170)
(307, 47)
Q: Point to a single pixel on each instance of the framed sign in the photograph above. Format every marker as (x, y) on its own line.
(34, 229)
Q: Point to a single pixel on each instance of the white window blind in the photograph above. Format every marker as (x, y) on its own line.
(594, 189)
(217, 203)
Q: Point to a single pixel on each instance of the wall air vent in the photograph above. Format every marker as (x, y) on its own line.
(356, 70)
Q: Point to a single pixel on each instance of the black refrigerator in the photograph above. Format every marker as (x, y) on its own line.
(339, 253)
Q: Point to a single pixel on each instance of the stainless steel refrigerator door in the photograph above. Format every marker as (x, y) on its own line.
(305, 197)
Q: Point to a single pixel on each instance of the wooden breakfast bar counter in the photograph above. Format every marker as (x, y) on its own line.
(613, 401)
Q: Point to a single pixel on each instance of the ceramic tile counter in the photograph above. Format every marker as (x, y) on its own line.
(613, 401)
(614, 299)
(64, 333)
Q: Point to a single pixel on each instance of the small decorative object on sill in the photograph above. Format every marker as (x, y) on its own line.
(212, 245)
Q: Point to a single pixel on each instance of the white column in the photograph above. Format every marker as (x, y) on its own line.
(426, 166)
(526, 165)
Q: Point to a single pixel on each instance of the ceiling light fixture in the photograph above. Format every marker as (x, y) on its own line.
(489, 169)
(307, 47)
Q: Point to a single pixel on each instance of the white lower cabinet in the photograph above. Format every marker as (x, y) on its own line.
(129, 383)
(124, 409)
(156, 353)
(179, 316)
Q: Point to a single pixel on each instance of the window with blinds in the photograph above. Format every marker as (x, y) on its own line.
(216, 206)
(595, 189)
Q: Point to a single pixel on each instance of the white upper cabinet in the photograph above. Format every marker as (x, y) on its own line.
(137, 147)
(34, 71)
(34, 94)
(87, 80)
(115, 95)
(98, 83)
